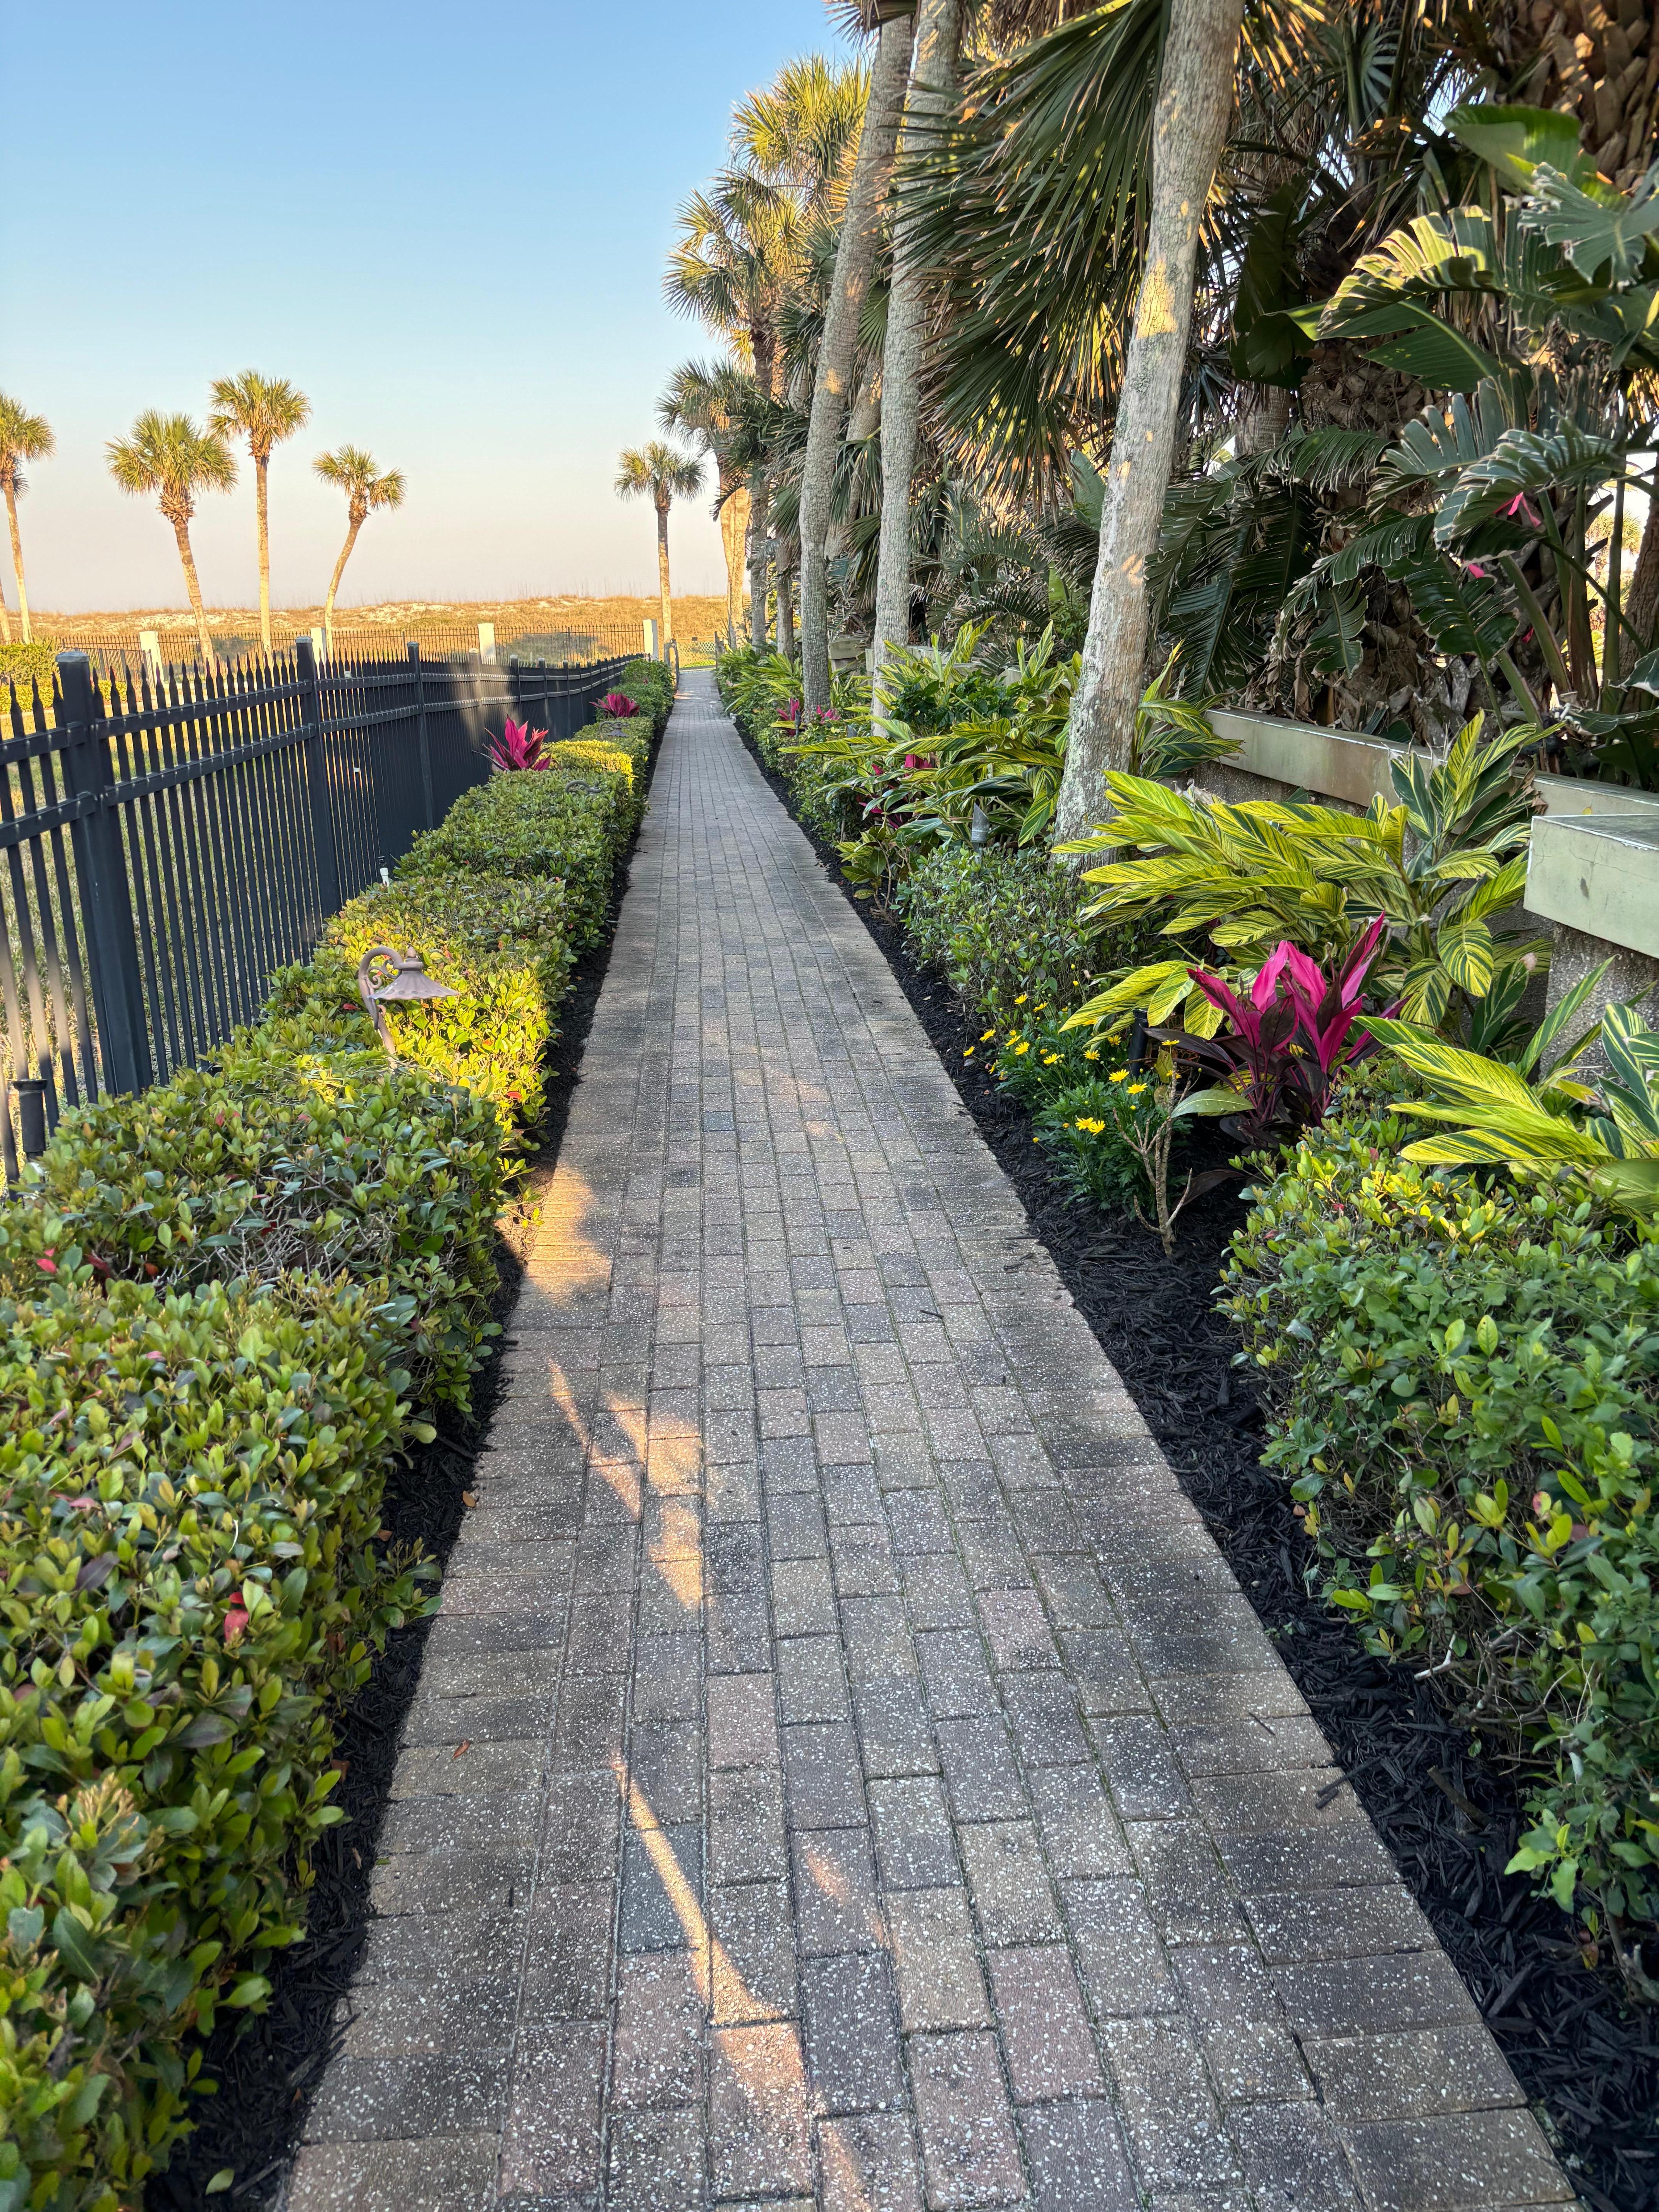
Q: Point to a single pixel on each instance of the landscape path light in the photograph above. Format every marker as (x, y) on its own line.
(408, 984)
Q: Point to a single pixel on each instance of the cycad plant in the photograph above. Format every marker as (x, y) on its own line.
(263, 409)
(662, 475)
(368, 490)
(23, 437)
(168, 456)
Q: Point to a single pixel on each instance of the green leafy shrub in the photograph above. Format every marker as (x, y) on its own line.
(568, 824)
(650, 685)
(1463, 1384)
(288, 1163)
(503, 942)
(35, 663)
(189, 1491)
(632, 738)
(1001, 926)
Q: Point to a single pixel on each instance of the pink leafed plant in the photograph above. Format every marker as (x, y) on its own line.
(518, 746)
(1290, 1035)
(616, 707)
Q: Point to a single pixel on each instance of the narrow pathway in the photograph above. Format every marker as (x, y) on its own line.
(845, 1772)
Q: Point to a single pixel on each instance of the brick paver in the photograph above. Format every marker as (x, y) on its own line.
(845, 1773)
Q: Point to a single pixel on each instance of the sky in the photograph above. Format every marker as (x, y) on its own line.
(449, 229)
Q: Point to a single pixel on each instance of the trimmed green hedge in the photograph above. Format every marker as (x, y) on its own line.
(1463, 1386)
(503, 942)
(570, 822)
(190, 1489)
(222, 1302)
(650, 684)
(290, 1161)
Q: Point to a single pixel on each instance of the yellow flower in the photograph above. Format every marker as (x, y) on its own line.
(1091, 1054)
(1019, 1049)
(1093, 1128)
(1118, 1075)
(1041, 1009)
(1135, 1089)
(988, 1036)
(1023, 997)
(1050, 1058)
(969, 1052)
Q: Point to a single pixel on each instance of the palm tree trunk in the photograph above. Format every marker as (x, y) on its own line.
(662, 580)
(788, 561)
(187, 561)
(262, 519)
(17, 569)
(734, 517)
(855, 254)
(1195, 103)
(352, 528)
(757, 632)
(1642, 594)
(932, 92)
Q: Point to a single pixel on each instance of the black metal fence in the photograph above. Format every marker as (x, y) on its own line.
(167, 841)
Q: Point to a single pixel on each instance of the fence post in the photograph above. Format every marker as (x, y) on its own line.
(416, 670)
(118, 989)
(325, 854)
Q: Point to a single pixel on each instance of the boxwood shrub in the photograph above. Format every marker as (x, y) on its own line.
(1463, 1387)
(190, 1488)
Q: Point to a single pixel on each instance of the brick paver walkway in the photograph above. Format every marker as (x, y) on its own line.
(845, 1772)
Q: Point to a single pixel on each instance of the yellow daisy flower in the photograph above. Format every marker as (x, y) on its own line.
(1135, 1090)
(1118, 1075)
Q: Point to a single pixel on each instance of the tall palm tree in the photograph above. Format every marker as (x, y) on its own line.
(855, 255)
(23, 437)
(658, 472)
(168, 456)
(1194, 105)
(745, 242)
(263, 409)
(357, 474)
(735, 249)
(712, 403)
(933, 74)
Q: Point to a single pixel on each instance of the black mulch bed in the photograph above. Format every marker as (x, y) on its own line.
(267, 2066)
(1588, 2061)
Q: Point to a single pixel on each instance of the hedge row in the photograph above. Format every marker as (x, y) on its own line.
(226, 1305)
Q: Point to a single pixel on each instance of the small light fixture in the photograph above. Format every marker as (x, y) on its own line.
(978, 829)
(409, 983)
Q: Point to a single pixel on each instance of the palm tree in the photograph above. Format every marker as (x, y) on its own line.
(263, 409)
(357, 474)
(746, 243)
(712, 404)
(735, 252)
(658, 472)
(23, 437)
(855, 255)
(1194, 105)
(167, 456)
(933, 95)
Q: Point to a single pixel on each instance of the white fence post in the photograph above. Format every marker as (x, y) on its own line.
(651, 653)
(487, 643)
(150, 644)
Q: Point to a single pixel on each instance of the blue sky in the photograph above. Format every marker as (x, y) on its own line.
(448, 228)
